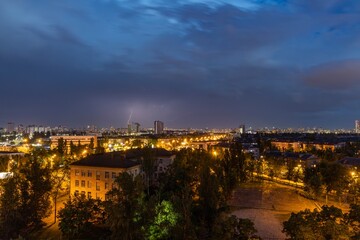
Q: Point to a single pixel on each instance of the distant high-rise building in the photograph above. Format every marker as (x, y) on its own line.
(137, 127)
(357, 126)
(242, 129)
(133, 128)
(20, 128)
(10, 127)
(158, 127)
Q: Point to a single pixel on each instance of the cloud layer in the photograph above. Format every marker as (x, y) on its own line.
(190, 63)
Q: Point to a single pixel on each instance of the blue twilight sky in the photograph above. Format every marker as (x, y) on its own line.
(189, 63)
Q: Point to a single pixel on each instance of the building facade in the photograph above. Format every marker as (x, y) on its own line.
(94, 175)
(158, 127)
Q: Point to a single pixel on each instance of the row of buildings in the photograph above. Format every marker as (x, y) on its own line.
(90, 129)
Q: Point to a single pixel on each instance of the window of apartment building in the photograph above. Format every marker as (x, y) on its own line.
(97, 175)
(107, 175)
(82, 183)
(160, 161)
(97, 186)
(76, 183)
(76, 193)
(83, 193)
(89, 184)
(106, 197)
(89, 173)
(83, 173)
(77, 172)
(106, 185)
(89, 195)
(113, 175)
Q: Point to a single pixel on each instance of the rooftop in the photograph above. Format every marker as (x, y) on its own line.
(351, 161)
(111, 160)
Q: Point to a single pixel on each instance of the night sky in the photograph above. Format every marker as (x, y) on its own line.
(189, 63)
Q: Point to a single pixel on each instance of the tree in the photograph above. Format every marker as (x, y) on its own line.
(238, 161)
(275, 164)
(91, 144)
(125, 208)
(208, 203)
(312, 181)
(178, 186)
(148, 166)
(318, 225)
(164, 222)
(61, 147)
(333, 177)
(183, 205)
(80, 217)
(35, 185)
(234, 228)
(72, 148)
(26, 197)
(353, 219)
(58, 175)
(229, 175)
(11, 220)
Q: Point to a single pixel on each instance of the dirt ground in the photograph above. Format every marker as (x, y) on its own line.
(268, 205)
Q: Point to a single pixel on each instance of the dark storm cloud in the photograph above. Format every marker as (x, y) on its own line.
(335, 75)
(190, 63)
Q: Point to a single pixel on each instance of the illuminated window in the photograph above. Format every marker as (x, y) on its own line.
(106, 185)
(76, 183)
(77, 173)
(82, 183)
(97, 186)
(113, 175)
(97, 175)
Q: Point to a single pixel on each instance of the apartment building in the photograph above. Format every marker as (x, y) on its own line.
(94, 175)
(83, 140)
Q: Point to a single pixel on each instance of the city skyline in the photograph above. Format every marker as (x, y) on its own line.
(208, 63)
(136, 127)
